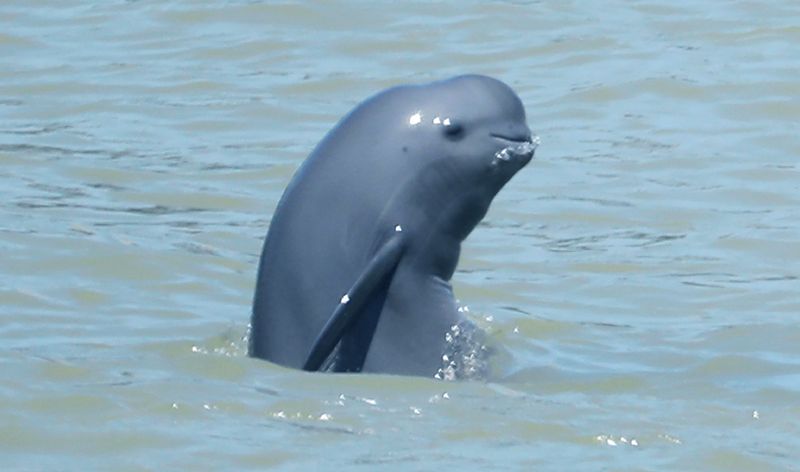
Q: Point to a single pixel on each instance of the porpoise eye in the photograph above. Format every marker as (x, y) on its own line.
(453, 130)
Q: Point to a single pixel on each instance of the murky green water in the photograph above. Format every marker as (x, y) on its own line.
(642, 274)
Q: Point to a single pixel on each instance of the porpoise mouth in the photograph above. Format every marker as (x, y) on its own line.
(516, 146)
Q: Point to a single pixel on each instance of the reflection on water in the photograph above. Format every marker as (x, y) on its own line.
(637, 281)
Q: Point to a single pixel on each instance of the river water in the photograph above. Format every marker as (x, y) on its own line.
(640, 278)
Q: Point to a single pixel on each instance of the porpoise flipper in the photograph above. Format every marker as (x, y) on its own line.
(356, 302)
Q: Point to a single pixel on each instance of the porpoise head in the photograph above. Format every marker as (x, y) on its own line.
(474, 137)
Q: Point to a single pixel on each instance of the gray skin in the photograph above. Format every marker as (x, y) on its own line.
(378, 211)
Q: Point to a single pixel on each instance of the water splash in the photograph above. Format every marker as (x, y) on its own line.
(466, 354)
